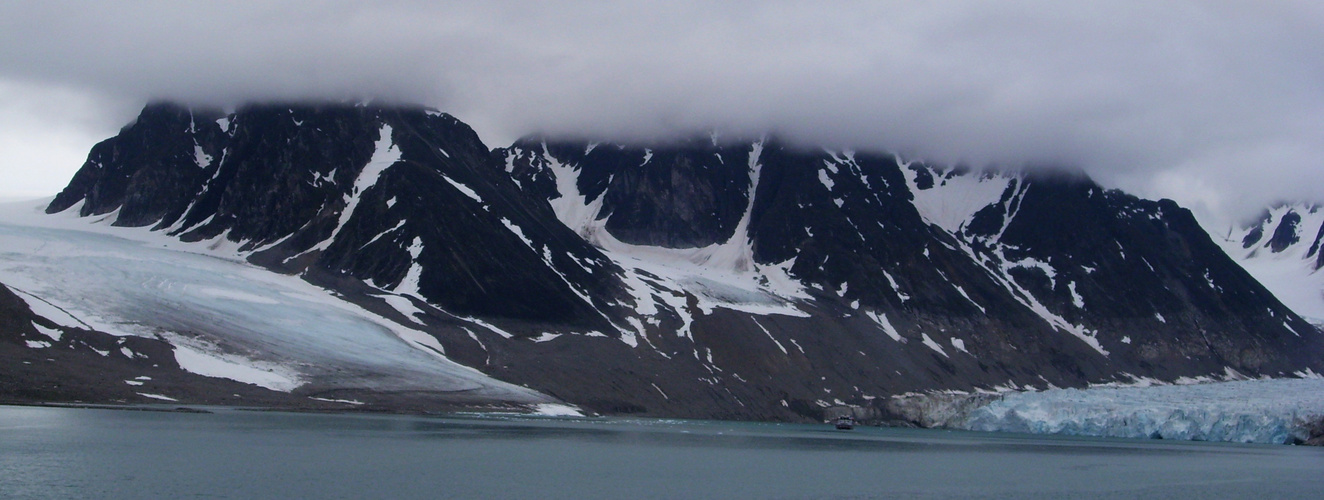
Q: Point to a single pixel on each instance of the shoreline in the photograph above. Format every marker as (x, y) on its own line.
(913, 412)
(204, 408)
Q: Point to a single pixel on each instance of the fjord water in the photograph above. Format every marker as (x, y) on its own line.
(93, 453)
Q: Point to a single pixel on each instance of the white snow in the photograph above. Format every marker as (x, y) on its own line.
(200, 158)
(214, 364)
(959, 345)
(556, 410)
(886, 325)
(1289, 274)
(770, 337)
(896, 288)
(1079, 301)
(47, 310)
(37, 344)
(825, 180)
(966, 295)
(719, 275)
(546, 337)
(49, 332)
(518, 232)
(1259, 411)
(1033, 263)
(384, 156)
(344, 401)
(934, 345)
(379, 236)
(404, 305)
(157, 396)
(1027, 299)
(463, 189)
(409, 284)
(797, 345)
(224, 294)
(951, 203)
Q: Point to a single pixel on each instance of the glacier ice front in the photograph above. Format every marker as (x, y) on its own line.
(1251, 411)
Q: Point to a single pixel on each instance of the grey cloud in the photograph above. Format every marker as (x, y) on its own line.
(1216, 104)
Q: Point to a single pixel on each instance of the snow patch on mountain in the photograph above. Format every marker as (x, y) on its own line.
(211, 362)
(384, 156)
(886, 325)
(557, 410)
(1288, 272)
(409, 284)
(953, 199)
(719, 275)
(933, 345)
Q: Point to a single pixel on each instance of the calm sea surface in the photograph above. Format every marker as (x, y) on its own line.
(90, 453)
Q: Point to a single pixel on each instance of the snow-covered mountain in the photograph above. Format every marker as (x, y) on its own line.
(706, 277)
(1281, 248)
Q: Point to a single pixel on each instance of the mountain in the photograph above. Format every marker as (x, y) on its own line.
(1281, 248)
(703, 277)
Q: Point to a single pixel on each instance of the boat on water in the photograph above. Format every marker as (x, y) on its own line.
(845, 423)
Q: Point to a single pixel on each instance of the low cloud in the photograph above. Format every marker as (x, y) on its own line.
(1219, 105)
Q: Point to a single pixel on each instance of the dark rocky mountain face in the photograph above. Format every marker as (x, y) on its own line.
(151, 167)
(702, 277)
(689, 195)
(1123, 267)
(366, 192)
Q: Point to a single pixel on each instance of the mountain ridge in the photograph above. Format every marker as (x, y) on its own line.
(702, 277)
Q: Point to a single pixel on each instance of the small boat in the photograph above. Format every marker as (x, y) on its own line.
(845, 423)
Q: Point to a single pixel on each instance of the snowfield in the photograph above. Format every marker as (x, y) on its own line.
(225, 317)
(1289, 274)
(1248, 411)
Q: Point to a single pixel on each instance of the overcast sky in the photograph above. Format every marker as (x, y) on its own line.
(1219, 105)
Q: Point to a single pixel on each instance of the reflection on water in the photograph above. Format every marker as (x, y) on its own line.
(62, 452)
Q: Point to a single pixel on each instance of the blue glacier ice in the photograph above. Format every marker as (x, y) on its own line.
(224, 317)
(1249, 411)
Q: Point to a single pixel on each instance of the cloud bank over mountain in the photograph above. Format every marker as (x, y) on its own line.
(1218, 105)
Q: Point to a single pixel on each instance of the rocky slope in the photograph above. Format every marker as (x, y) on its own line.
(701, 277)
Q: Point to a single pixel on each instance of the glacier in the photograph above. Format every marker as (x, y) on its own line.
(225, 317)
(1247, 411)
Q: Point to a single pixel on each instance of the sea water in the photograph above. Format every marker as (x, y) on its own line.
(50, 452)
